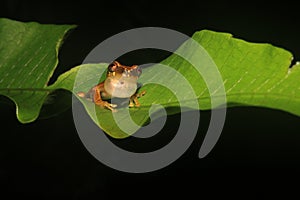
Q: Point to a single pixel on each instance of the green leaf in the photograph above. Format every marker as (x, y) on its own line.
(28, 57)
(252, 74)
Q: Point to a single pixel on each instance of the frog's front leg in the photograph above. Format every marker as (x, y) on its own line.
(98, 99)
(134, 102)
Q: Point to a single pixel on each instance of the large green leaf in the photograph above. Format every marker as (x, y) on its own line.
(252, 74)
(28, 57)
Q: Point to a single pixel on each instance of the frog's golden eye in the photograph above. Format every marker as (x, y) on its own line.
(112, 67)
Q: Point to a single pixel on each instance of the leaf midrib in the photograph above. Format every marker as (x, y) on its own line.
(239, 94)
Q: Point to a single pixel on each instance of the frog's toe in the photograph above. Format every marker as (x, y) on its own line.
(114, 110)
(109, 106)
(131, 104)
(141, 94)
(113, 105)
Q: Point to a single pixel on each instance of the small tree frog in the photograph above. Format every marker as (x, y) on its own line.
(120, 82)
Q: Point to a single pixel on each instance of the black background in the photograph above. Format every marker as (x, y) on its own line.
(257, 153)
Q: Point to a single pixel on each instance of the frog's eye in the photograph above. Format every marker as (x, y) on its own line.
(112, 67)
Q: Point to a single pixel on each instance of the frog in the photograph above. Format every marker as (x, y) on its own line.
(121, 82)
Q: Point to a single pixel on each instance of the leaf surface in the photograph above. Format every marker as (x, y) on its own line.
(28, 57)
(251, 74)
